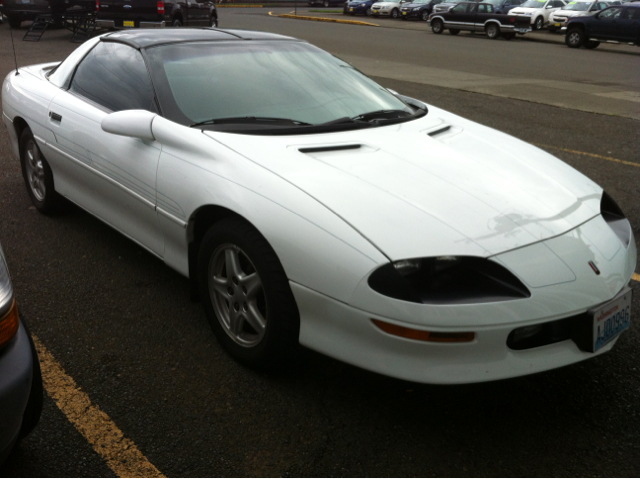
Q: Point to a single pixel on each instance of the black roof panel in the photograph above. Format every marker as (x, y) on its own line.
(143, 38)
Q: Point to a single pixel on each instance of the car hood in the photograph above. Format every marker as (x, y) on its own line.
(386, 4)
(439, 185)
(524, 10)
(569, 13)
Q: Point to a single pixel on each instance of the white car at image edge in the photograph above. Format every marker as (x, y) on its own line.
(538, 10)
(310, 206)
(387, 9)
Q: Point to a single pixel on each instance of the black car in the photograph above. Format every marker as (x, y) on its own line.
(619, 23)
(448, 4)
(155, 13)
(420, 9)
(326, 3)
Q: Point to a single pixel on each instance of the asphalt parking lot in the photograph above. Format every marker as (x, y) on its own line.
(121, 328)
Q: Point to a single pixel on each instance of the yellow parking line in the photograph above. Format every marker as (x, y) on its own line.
(636, 277)
(608, 158)
(121, 454)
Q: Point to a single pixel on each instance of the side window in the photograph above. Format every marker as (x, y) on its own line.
(613, 12)
(635, 13)
(489, 8)
(459, 9)
(472, 8)
(114, 76)
(626, 15)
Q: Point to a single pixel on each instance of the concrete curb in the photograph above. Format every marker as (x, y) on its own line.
(322, 19)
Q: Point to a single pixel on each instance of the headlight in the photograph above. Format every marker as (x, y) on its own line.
(416, 8)
(447, 280)
(9, 320)
(615, 218)
(363, 4)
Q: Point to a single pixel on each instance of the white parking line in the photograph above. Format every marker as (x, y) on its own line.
(120, 453)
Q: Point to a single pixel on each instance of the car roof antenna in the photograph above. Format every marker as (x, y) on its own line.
(15, 58)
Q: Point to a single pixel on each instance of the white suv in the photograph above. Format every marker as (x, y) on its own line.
(538, 10)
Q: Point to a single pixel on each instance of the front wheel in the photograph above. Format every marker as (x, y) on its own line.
(539, 23)
(591, 44)
(437, 26)
(575, 38)
(177, 23)
(492, 31)
(425, 16)
(37, 175)
(368, 13)
(246, 294)
(213, 22)
(326, 3)
(395, 13)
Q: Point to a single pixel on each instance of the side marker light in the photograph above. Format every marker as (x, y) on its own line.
(421, 335)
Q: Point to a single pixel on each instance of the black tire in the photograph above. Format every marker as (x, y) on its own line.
(574, 38)
(326, 3)
(492, 30)
(437, 26)
(368, 13)
(508, 36)
(591, 44)
(239, 302)
(37, 175)
(177, 22)
(538, 24)
(31, 415)
(395, 13)
(213, 22)
(14, 21)
(425, 16)
(454, 31)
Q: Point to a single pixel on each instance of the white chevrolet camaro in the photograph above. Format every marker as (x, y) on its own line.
(309, 205)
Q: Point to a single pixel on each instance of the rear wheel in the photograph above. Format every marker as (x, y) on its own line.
(591, 44)
(454, 31)
(246, 294)
(575, 38)
(325, 3)
(437, 26)
(177, 22)
(213, 22)
(492, 31)
(14, 21)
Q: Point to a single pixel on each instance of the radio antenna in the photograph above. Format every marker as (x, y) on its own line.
(15, 58)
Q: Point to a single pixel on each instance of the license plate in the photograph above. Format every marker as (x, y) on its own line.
(404, 13)
(128, 23)
(522, 30)
(611, 319)
(351, 9)
(558, 24)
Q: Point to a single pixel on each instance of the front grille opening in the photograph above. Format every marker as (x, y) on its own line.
(576, 328)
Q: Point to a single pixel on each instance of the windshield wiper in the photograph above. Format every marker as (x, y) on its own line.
(250, 119)
(383, 115)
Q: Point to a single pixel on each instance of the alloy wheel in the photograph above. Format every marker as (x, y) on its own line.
(35, 170)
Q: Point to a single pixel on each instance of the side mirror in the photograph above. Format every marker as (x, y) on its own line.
(132, 123)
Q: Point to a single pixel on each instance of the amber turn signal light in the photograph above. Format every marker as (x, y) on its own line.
(421, 335)
(9, 325)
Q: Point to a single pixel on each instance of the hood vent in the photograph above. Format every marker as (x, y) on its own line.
(439, 130)
(319, 149)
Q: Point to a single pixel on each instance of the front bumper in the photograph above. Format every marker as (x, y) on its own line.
(346, 331)
(16, 370)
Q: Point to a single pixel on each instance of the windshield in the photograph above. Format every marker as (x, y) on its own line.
(577, 6)
(492, 2)
(421, 1)
(533, 4)
(286, 80)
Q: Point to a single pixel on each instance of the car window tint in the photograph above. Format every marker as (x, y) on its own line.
(635, 13)
(114, 76)
(459, 9)
(613, 12)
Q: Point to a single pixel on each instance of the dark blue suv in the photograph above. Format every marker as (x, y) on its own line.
(418, 9)
(359, 8)
(619, 23)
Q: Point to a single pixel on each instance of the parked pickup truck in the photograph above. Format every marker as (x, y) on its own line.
(479, 17)
(614, 24)
(155, 13)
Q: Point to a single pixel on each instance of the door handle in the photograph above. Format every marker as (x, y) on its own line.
(55, 117)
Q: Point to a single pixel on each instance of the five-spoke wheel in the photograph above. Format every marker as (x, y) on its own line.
(37, 175)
